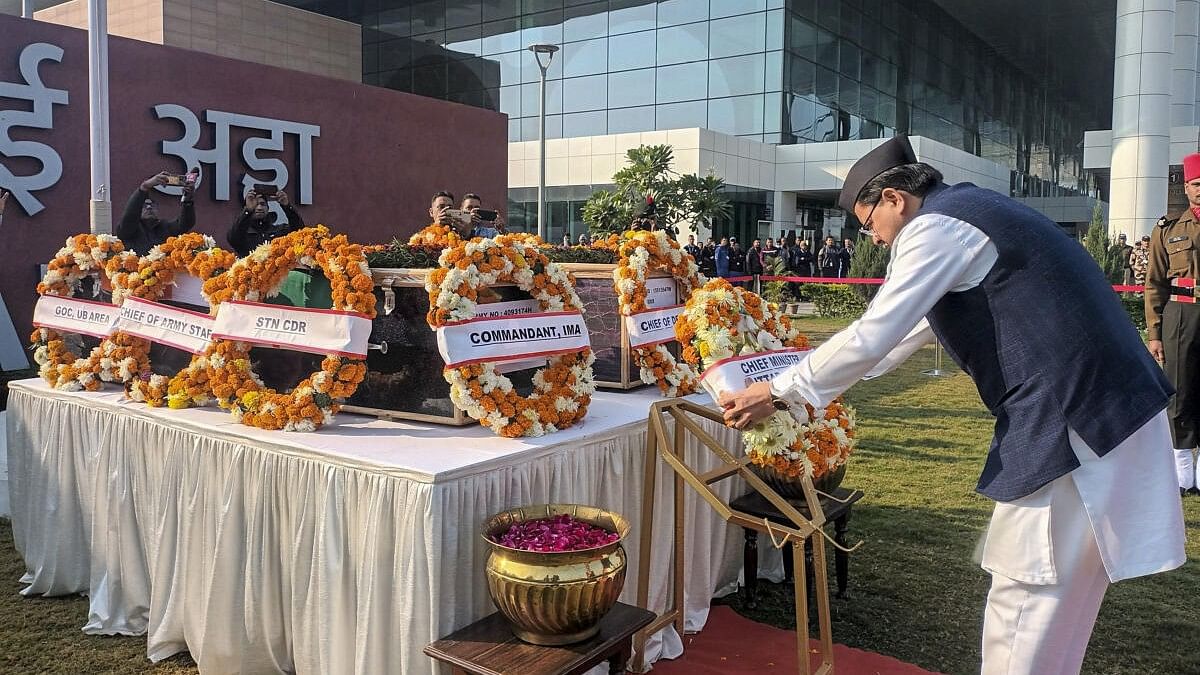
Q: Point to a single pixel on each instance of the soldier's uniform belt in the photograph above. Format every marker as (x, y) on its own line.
(1183, 290)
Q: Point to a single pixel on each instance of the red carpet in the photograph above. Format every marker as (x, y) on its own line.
(731, 644)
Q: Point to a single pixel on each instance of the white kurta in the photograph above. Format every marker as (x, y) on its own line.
(1129, 494)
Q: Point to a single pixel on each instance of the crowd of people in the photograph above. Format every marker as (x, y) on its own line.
(727, 258)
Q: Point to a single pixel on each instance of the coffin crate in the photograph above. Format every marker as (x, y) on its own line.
(404, 369)
(614, 367)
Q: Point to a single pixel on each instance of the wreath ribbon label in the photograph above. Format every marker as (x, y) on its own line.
(303, 329)
(739, 372)
(652, 326)
(73, 315)
(509, 308)
(512, 338)
(171, 326)
(661, 292)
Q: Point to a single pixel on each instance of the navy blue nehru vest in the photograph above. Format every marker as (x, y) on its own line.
(1046, 341)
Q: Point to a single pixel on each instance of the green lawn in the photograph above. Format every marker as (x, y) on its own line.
(915, 592)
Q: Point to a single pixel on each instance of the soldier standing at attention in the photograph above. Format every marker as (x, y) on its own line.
(1173, 320)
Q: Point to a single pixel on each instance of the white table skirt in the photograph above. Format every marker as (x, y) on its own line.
(342, 551)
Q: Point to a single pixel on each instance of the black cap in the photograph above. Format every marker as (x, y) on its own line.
(894, 152)
(648, 211)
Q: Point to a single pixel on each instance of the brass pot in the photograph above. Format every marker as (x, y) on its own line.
(790, 487)
(555, 598)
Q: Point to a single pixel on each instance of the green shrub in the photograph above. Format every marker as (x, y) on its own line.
(1135, 307)
(868, 261)
(834, 300)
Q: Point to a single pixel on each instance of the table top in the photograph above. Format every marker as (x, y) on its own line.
(488, 647)
(418, 451)
(757, 505)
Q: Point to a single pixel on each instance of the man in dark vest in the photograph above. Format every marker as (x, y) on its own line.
(1173, 319)
(1084, 488)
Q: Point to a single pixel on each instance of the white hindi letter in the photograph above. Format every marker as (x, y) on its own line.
(41, 117)
(185, 148)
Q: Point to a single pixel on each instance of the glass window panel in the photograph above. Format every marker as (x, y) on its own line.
(631, 88)
(802, 117)
(463, 13)
(428, 16)
(681, 115)
(827, 83)
(371, 78)
(584, 58)
(531, 72)
(430, 80)
(827, 14)
(738, 35)
(737, 75)
(585, 124)
(773, 71)
(851, 24)
(824, 124)
(849, 59)
(535, 6)
(544, 28)
(684, 82)
(501, 9)
(585, 22)
(501, 36)
(683, 43)
(827, 50)
(530, 100)
(736, 115)
(675, 12)
(510, 66)
(630, 16)
(529, 128)
(626, 120)
(626, 52)
(464, 42)
(804, 8)
(370, 62)
(395, 54)
(585, 93)
(510, 100)
(731, 7)
(395, 21)
(399, 79)
(471, 75)
(775, 23)
(803, 38)
(803, 77)
(773, 113)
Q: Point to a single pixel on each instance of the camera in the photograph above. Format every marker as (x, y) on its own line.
(459, 215)
(486, 215)
(269, 192)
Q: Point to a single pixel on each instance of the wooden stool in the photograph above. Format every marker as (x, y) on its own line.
(488, 647)
(838, 512)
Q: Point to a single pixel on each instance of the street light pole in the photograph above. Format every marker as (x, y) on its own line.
(101, 200)
(538, 50)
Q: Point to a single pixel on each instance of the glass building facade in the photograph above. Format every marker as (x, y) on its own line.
(777, 71)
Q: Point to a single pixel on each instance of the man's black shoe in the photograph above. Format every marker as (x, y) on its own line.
(1193, 491)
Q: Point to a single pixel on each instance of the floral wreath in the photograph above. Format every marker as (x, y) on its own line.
(640, 254)
(720, 321)
(562, 389)
(149, 277)
(436, 236)
(260, 275)
(82, 256)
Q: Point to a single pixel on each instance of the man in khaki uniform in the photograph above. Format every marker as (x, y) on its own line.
(1173, 320)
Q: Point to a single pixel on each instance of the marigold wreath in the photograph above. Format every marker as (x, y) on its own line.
(150, 277)
(563, 389)
(315, 400)
(83, 255)
(642, 253)
(720, 321)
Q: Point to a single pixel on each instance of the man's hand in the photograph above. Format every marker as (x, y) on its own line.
(499, 224)
(3, 201)
(157, 179)
(282, 198)
(442, 216)
(251, 200)
(751, 405)
(189, 190)
(1156, 349)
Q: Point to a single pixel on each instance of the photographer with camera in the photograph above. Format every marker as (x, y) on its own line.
(255, 224)
(140, 228)
(466, 223)
(481, 218)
